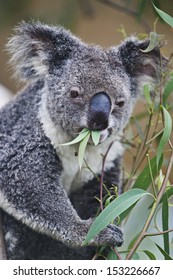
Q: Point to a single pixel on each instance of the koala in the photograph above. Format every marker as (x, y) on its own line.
(48, 204)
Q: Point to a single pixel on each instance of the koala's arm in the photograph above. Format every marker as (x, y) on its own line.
(32, 193)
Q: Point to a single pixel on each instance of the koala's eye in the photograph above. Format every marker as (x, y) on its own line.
(120, 103)
(74, 93)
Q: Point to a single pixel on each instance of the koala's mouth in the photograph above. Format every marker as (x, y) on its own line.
(104, 134)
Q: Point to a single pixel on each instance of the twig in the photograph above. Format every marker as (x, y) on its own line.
(140, 154)
(159, 233)
(151, 175)
(117, 254)
(126, 11)
(102, 175)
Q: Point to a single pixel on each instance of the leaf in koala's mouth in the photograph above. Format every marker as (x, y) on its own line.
(82, 148)
(95, 135)
(79, 138)
(83, 138)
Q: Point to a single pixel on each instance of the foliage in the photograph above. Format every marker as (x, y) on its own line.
(83, 138)
(153, 146)
(115, 208)
(167, 18)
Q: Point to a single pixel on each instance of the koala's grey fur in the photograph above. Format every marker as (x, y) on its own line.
(37, 175)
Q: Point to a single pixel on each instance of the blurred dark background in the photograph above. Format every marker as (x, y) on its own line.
(95, 21)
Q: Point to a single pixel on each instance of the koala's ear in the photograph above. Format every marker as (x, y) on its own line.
(144, 67)
(37, 48)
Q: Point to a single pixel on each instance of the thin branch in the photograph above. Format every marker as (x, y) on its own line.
(126, 11)
(151, 175)
(159, 233)
(102, 175)
(140, 154)
(117, 253)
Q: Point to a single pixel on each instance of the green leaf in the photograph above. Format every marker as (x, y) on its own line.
(82, 139)
(82, 147)
(139, 129)
(167, 18)
(135, 256)
(123, 215)
(165, 222)
(78, 139)
(114, 209)
(166, 134)
(132, 242)
(144, 179)
(150, 255)
(95, 135)
(154, 42)
(111, 255)
(147, 96)
(167, 257)
(167, 91)
(169, 193)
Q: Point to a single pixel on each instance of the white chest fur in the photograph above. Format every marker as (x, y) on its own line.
(72, 176)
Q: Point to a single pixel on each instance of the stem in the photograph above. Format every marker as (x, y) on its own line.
(102, 175)
(160, 194)
(143, 147)
(117, 254)
(155, 136)
(152, 179)
(141, 152)
(143, 144)
(159, 233)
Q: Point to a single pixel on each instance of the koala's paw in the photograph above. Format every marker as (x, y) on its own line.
(112, 235)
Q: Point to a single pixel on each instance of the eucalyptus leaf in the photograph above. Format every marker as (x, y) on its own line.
(168, 192)
(167, 91)
(82, 138)
(123, 215)
(165, 222)
(144, 179)
(111, 255)
(135, 256)
(166, 134)
(154, 42)
(167, 18)
(95, 135)
(114, 209)
(167, 257)
(139, 129)
(82, 147)
(133, 241)
(148, 96)
(78, 139)
(150, 255)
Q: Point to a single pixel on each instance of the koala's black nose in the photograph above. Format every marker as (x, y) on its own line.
(99, 110)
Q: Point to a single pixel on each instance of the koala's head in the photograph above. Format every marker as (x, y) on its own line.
(85, 85)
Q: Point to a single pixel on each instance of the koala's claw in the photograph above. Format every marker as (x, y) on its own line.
(112, 235)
